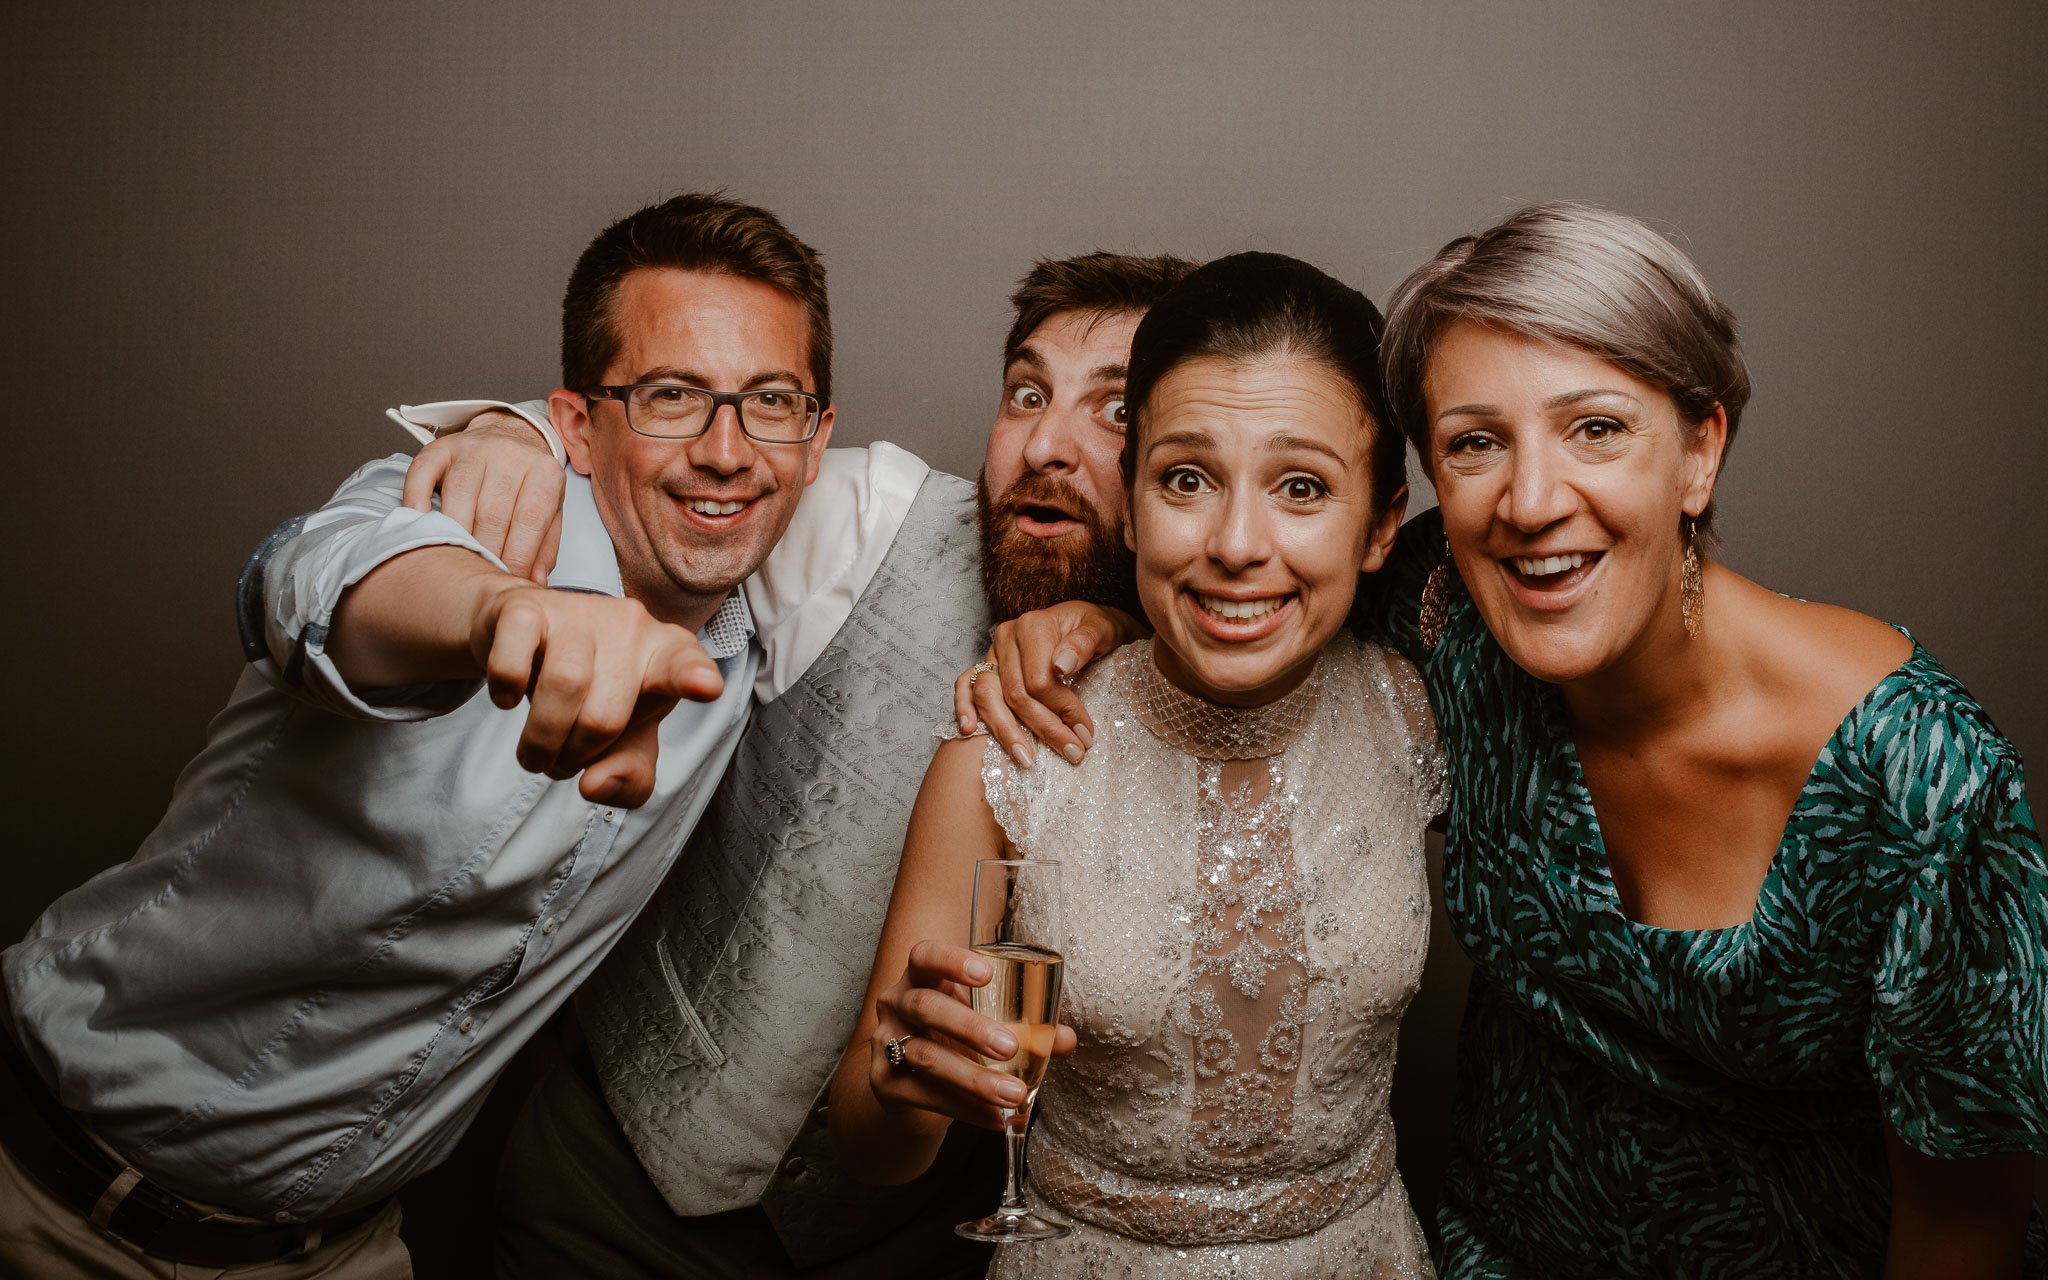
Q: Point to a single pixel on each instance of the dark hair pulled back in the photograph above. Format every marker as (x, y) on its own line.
(1250, 307)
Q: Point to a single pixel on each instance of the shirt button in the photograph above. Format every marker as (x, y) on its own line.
(380, 1128)
(281, 1216)
(548, 925)
(466, 1026)
(611, 815)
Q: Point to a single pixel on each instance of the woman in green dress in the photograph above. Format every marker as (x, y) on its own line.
(1757, 910)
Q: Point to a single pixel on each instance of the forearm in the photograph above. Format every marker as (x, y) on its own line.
(412, 619)
(889, 1145)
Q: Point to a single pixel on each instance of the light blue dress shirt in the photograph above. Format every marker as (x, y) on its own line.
(297, 993)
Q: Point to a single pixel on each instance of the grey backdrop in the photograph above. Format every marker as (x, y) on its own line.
(235, 233)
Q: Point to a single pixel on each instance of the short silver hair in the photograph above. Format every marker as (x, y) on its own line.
(1582, 277)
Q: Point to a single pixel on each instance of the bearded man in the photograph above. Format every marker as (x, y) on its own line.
(688, 1138)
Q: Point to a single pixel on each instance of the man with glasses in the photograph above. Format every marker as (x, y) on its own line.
(382, 875)
(690, 1140)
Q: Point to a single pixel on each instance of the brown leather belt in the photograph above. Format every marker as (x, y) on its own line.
(43, 1139)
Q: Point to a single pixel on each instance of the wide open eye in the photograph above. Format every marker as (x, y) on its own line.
(1025, 398)
(1116, 415)
(1302, 488)
(1184, 482)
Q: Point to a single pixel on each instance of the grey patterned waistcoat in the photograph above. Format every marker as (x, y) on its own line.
(717, 1021)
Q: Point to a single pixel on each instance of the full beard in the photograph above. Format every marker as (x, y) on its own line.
(1020, 573)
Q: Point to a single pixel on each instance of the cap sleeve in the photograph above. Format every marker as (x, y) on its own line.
(1958, 1039)
(1427, 772)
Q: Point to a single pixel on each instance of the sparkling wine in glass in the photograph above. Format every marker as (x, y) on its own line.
(1017, 926)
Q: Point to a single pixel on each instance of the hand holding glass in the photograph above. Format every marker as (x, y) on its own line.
(1018, 927)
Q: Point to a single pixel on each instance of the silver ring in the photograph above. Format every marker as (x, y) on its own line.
(978, 670)
(893, 1051)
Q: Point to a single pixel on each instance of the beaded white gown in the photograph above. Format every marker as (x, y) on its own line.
(1242, 939)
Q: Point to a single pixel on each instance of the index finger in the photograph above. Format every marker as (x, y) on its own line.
(963, 695)
(1040, 697)
(423, 477)
(682, 668)
(933, 963)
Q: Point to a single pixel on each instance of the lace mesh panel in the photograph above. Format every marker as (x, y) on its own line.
(1246, 919)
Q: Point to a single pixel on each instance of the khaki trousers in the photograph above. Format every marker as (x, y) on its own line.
(43, 1237)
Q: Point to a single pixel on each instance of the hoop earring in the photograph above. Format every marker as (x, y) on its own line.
(1692, 593)
(1436, 600)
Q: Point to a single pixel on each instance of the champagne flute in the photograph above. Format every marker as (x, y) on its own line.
(1017, 926)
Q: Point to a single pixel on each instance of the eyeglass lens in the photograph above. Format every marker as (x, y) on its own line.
(672, 410)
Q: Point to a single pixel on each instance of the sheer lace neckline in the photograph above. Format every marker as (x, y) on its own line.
(1210, 732)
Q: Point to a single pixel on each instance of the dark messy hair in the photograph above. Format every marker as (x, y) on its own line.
(701, 232)
(1256, 306)
(1109, 283)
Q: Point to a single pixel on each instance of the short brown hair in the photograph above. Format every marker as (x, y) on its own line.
(1600, 281)
(1111, 283)
(701, 232)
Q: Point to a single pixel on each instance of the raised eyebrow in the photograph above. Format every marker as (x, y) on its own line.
(1559, 401)
(1027, 356)
(1191, 439)
(1280, 444)
(1590, 393)
(1469, 411)
(1110, 373)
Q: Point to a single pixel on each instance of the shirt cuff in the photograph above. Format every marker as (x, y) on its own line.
(305, 573)
(427, 423)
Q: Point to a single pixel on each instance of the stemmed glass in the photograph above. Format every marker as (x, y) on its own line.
(1017, 926)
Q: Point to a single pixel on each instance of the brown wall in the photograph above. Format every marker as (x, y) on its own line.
(233, 234)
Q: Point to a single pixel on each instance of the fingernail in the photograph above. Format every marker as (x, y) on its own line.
(1065, 661)
(1022, 755)
(978, 970)
(1072, 753)
(1002, 1044)
(1012, 1091)
(1086, 735)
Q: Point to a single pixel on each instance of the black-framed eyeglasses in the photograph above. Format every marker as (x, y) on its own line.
(678, 411)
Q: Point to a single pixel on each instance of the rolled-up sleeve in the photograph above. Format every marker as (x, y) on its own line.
(292, 584)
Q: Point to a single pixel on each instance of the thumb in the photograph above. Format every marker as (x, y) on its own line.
(624, 774)
(682, 669)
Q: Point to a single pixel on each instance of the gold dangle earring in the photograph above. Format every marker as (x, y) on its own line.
(1436, 600)
(1692, 593)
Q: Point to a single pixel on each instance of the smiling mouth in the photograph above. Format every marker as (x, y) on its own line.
(715, 507)
(1239, 610)
(1554, 572)
(1232, 621)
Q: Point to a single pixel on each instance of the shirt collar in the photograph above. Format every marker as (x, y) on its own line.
(587, 561)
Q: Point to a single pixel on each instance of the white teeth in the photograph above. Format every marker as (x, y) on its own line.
(1544, 566)
(704, 506)
(1237, 610)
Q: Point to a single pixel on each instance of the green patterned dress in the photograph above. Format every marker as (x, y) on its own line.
(1635, 1101)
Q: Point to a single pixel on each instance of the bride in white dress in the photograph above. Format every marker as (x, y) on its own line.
(1246, 902)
